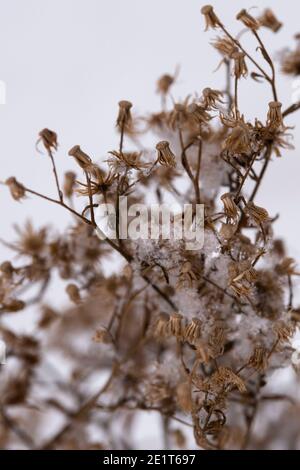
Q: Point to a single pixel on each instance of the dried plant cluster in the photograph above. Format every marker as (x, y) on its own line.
(191, 336)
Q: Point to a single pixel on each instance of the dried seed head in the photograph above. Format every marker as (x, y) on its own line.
(165, 156)
(247, 19)
(102, 335)
(193, 331)
(83, 160)
(238, 141)
(176, 325)
(124, 119)
(227, 230)
(198, 113)
(224, 377)
(259, 215)
(7, 269)
(17, 190)
(259, 359)
(161, 327)
(287, 267)
(224, 45)
(274, 118)
(211, 19)
(184, 396)
(230, 208)
(49, 139)
(269, 20)
(211, 98)
(240, 67)
(164, 83)
(283, 331)
(69, 183)
(73, 293)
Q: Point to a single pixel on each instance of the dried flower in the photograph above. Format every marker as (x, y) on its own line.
(247, 19)
(17, 190)
(230, 208)
(176, 325)
(238, 141)
(211, 19)
(69, 183)
(269, 20)
(124, 119)
(259, 215)
(212, 98)
(283, 331)
(240, 66)
(287, 267)
(274, 117)
(102, 335)
(193, 331)
(198, 113)
(225, 46)
(224, 377)
(83, 160)
(165, 82)
(259, 359)
(49, 139)
(165, 156)
(161, 327)
(73, 293)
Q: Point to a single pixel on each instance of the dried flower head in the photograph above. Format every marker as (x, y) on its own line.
(259, 359)
(165, 82)
(283, 331)
(124, 119)
(69, 183)
(239, 140)
(165, 156)
(230, 208)
(247, 19)
(269, 20)
(274, 118)
(83, 160)
(17, 190)
(211, 19)
(257, 214)
(198, 113)
(49, 139)
(240, 67)
(212, 98)
(161, 327)
(176, 325)
(193, 331)
(225, 46)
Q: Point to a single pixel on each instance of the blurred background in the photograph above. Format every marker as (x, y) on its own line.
(67, 63)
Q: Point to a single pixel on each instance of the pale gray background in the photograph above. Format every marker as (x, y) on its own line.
(67, 63)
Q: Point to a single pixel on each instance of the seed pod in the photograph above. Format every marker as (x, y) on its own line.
(17, 190)
(165, 156)
(258, 214)
(274, 117)
(230, 208)
(83, 160)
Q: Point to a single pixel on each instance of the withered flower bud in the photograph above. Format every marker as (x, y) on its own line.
(193, 331)
(224, 45)
(283, 331)
(17, 190)
(198, 113)
(165, 156)
(211, 19)
(83, 160)
(240, 67)
(164, 83)
(274, 117)
(49, 139)
(247, 19)
(212, 97)
(69, 183)
(230, 208)
(73, 293)
(269, 20)
(161, 328)
(176, 325)
(227, 231)
(258, 214)
(102, 336)
(124, 118)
